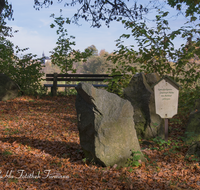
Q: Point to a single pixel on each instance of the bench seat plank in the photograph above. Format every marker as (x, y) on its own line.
(81, 75)
(74, 85)
(77, 79)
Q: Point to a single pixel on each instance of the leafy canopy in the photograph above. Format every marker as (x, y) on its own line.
(25, 70)
(193, 6)
(101, 10)
(157, 52)
(110, 10)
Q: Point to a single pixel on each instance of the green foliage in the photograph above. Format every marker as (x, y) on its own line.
(154, 125)
(134, 160)
(157, 53)
(95, 64)
(12, 180)
(175, 121)
(193, 7)
(176, 145)
(25, 71)
(29, 74)
(162, 143)
(7, 13)
(6, 153)
(63, 54)
(192, 158)
(68, 92)
(189, 137)
(85, 160)
(123, 61)
(93, 49)
(147, 157)
(187, 98)
(118, 83)
(60, 54)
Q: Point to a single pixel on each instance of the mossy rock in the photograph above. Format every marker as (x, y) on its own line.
(8, 88)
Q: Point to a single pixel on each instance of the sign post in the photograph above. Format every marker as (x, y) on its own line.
(166, 129)
(166, 93)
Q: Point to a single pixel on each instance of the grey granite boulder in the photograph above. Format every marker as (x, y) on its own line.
(8, 88)
(106, 126)
(139, 92)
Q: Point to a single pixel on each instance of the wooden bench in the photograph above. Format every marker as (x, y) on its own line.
(74, 77)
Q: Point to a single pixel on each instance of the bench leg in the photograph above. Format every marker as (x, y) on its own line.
(52, 91)
(54, 88)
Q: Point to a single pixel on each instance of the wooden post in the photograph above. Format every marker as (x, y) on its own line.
(54, 89)
(166, 129)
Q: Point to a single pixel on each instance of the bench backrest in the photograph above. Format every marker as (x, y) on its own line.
(78, 77)
(75, 77)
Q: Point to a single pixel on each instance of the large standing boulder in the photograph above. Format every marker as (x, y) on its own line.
(8, 88)
(139, 92)
(192, 131)
(106, 126)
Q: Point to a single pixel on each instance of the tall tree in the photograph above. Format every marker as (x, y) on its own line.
(63, 54)
(93, 49)
(93, 65)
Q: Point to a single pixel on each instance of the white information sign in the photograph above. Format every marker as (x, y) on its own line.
(166, 98)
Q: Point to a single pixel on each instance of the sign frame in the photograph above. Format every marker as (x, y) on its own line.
(166, 95)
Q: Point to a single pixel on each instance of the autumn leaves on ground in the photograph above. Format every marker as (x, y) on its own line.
(39, 149)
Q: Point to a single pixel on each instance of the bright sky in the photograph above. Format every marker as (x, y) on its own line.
(35, 32)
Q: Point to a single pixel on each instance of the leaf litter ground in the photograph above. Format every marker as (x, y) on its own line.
(40, 149)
